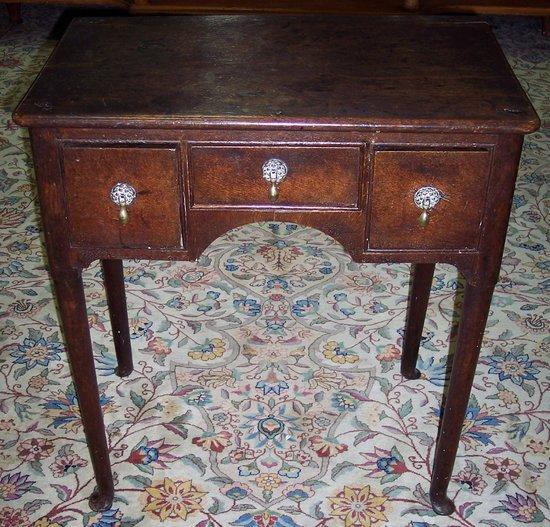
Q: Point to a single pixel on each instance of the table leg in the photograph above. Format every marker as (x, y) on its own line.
(113, 273)
(74, 319)
(422, 275)
(477, 300)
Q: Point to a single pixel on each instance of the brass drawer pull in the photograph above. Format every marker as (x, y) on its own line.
(122, 195)
(426, 198)
(274, 171)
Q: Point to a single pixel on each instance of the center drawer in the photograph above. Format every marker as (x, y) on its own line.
(317, 176)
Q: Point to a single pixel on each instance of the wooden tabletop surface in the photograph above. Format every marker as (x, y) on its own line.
(279, 71)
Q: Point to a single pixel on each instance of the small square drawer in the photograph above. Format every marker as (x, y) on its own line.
(153, 217)
(457, 179)
(327, 176)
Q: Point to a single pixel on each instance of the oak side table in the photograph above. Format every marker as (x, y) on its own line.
(398, 137)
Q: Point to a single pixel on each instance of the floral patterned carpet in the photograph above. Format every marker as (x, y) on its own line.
(267, 389)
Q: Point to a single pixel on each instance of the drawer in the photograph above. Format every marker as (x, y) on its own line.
(453, 223)
(154, 218)
(325, 177)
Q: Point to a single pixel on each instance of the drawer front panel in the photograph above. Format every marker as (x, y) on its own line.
(453, 223)
(326, 177)
(154, 218)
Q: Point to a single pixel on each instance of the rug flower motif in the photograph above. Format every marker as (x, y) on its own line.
(266, 389)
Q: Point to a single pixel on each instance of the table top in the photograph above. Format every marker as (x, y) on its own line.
(281, 71)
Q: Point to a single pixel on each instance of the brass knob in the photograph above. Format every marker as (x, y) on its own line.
(123, 194)
(426, 198)
(123, 215)
(273, 192)
(274, 171)
(423, 218)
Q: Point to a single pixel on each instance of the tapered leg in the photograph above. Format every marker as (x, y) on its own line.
(74, 319)
(116, 299)
(477, 300)
(422, 275)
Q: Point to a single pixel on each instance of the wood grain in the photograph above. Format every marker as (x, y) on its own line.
(284, 71)
(453, 223)
(154, 217)
(322, 176)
